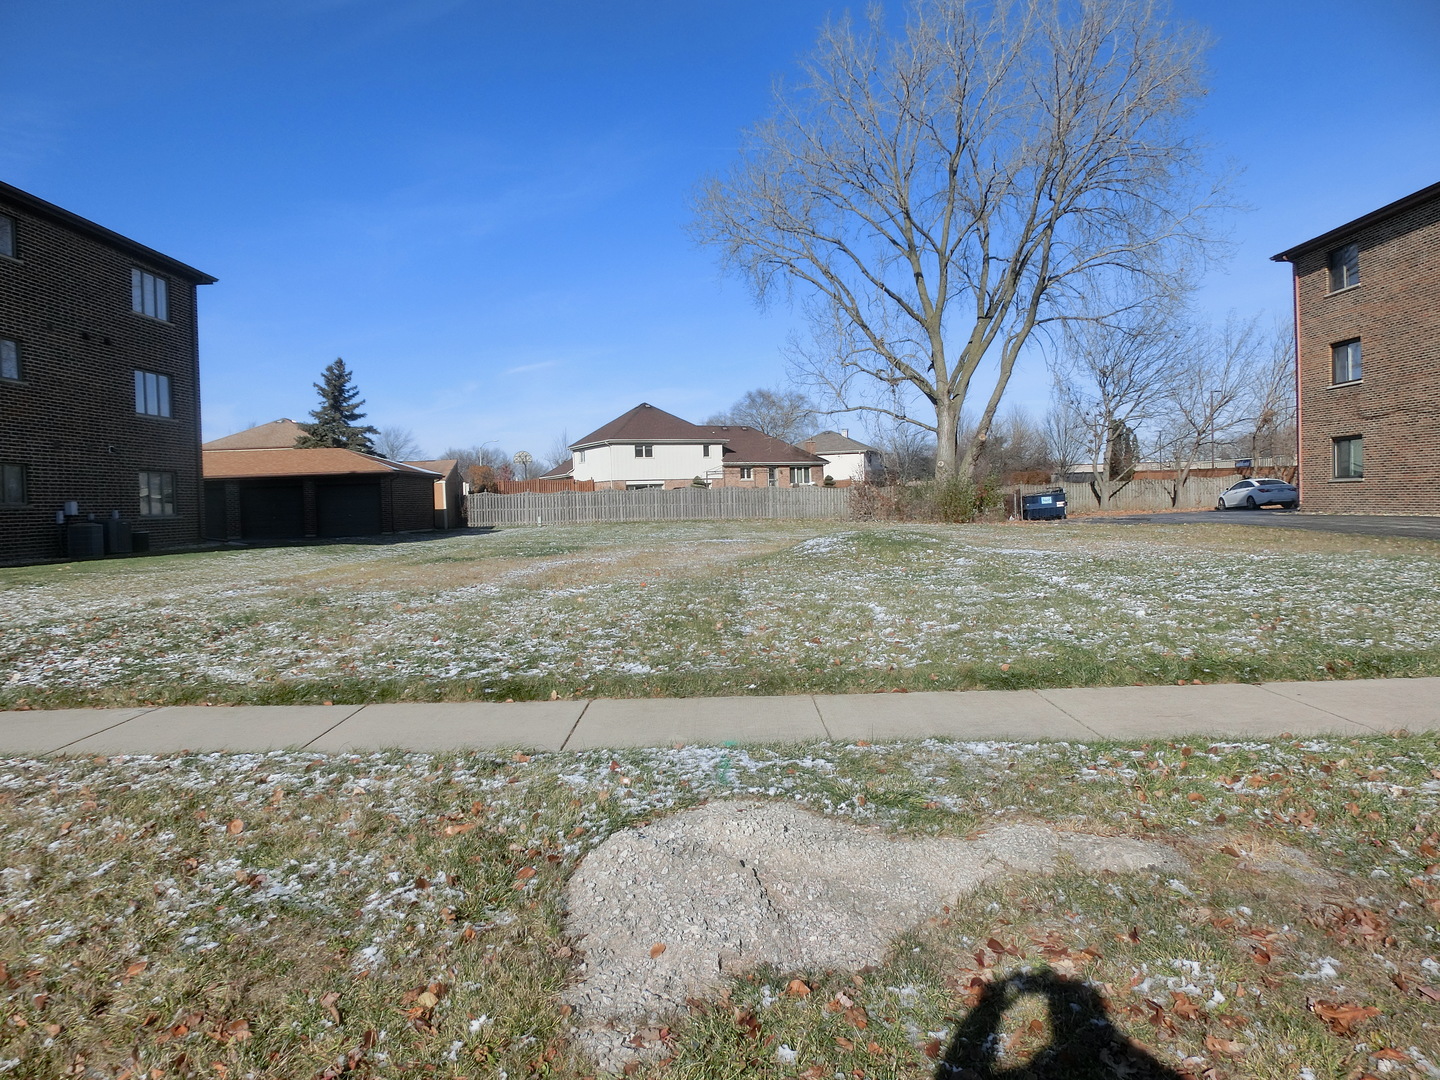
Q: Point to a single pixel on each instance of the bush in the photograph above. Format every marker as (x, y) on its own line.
(953, 501)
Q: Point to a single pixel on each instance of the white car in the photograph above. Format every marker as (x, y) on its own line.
(1255, 493)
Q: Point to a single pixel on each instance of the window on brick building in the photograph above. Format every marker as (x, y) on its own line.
(9, 359)
(747, 473)
(7, 235)
(152, 394)
(149, 295)
(799, 476)
(1344, 267)
(644, 450)
(1350, 458)
(157, 494)
(772, 476)
(1345, 362)
(12, 485)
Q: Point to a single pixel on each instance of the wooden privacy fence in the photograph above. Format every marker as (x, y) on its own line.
(680, 504)
(1198, 491)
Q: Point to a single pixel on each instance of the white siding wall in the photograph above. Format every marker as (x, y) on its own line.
(671, 461)
(846, 466)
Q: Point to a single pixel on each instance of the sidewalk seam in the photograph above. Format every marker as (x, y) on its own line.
(571, 734)
(820, 715)
(356, 712)
(1321, 708)
(1098, 734)
(102, 730)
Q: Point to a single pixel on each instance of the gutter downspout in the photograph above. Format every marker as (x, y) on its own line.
(1299, 393)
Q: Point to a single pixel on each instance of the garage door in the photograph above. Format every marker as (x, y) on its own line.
(272, 513)
(348, 509)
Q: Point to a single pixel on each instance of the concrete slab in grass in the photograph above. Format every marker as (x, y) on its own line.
(615, 722)
(205, 729)
(1230, 709)
(478, 725)
(1379, 704)
(958, 714)
(45, 731)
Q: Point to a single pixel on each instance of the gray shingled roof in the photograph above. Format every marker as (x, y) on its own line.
(832, 442)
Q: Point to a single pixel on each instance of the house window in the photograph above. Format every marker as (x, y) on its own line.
(582, 457)
(705, 450)
(1350, 458)
(157, 494)
(7, 235)
(1345, 362)
(9, 359)
(644, 450)
(772, 477)
(148, 295)
(1344, 267)
(747, 473)
(12, 485)
(152, 394)
(799, 476)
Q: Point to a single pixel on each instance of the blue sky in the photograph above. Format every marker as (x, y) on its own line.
(481, 205)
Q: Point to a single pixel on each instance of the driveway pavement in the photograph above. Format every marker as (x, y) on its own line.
(1425, 528)
(1219, 710)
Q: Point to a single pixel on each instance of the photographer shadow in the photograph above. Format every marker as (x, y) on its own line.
(1084, 1044)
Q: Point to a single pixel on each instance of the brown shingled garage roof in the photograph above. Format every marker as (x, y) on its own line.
(324, 461)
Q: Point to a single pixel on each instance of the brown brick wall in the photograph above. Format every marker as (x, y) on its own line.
(1395, 312)
(71, 420)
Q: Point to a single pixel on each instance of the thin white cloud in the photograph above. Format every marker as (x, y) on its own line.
(531, 367)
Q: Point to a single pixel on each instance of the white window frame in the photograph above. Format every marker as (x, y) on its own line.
(644, 449)
(801, 475)
(149, 294)
(10, 367)
(1357, 459)
(152, 394)
(747, 472)
(13, 481)
(1348, 353)
(772, 476)
(157, 493)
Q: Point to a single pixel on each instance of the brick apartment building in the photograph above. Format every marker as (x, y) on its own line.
(99, 381)
(1367, 314)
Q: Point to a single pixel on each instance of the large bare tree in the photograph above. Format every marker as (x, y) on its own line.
(782, 414)
(939, 192)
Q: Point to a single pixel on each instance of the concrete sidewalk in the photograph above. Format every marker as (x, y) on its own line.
(1223, 710)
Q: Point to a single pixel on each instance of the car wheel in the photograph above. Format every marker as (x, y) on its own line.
(1250, 503)
(1221, 505)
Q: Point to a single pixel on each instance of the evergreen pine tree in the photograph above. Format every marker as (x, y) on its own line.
(334, 422)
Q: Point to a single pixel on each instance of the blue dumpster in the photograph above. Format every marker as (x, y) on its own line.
(1046, 506)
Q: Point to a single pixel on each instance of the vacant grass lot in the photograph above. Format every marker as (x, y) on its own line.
(281, 916)
(720, 608)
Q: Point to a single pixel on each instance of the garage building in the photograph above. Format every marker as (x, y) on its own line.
(275, 494)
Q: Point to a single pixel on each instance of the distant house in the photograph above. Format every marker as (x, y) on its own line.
(1367, 314)
(847, 461)
(279, 434)
(651, 448)
(288, 494)
(99, 382)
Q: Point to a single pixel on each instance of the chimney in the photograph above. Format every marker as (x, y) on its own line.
(845, 431)
(808, 446)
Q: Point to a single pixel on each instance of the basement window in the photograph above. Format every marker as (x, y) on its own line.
(1350, 458)
(12, 485)
(157, 494)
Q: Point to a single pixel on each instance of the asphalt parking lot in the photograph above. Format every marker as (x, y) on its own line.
(1425, 528)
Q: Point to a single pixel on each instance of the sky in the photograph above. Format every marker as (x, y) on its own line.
(482, 206)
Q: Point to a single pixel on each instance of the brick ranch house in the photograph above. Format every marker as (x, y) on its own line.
(651, 448)
(1367, 332)
(99, 381)
(447, 490)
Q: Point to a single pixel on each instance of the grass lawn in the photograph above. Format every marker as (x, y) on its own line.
(287, 916)
(720, 608)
